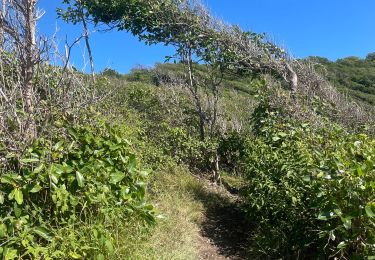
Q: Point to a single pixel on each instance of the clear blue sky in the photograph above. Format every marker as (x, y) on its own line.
(329, 28)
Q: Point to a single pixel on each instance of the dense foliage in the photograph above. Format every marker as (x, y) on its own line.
(311, 191)
(73, 183)
(82, 175)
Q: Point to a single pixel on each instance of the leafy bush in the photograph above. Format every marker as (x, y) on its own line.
(177, 143)
(311, 191)
(232, 151)
(89, 174)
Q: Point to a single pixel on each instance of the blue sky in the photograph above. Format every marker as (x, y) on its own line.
(328, 28)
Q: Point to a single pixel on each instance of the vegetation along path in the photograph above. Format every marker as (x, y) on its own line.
(207, 222)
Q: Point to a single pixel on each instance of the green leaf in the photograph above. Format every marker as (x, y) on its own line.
(43, 233)
(132, 163)
(73, 133)
(1, 198)
(10, 253)
(33, 187)
(347, 222)
(10, 179)
(109, 246)
(53, 178)
(29, 160)
(75, 255)
(117, 176)
(307, 178)
(17, 210)
(100, 257)
(39, 168)
(18, 196)
(3, 230)
(360, 171)
(58, 145)
(80, 179)
(370, 213)
(341, 245)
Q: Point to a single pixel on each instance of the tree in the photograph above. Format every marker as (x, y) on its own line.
(77, 13)
(370, 56)
(2, 32)
(18, 27)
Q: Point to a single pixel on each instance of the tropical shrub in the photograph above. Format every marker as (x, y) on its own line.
(84, 174)
(311, 191)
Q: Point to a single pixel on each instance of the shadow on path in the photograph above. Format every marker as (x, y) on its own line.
(224, 226)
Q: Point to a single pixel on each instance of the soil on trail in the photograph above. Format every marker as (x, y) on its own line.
(224, 230)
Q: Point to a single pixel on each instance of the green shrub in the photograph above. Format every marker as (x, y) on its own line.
(177, 143)
(232, 151)
(311, 191)
(64, 185)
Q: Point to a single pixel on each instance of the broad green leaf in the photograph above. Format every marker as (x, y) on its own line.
(43, 233)
(10, 179)
(3, 230)
(39, 168)
(17, 210)
(80, 179)
(33, 188)
(132, 163)
(1, 198)
(359, 171)
(109, 246)
(117, 177)
(18, 196)
(370, 213)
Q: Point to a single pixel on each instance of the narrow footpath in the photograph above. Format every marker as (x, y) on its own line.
(224, 230)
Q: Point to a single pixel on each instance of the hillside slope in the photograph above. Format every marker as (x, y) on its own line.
(351, 75)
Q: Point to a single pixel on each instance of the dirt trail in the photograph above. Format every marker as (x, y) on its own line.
(224, 229)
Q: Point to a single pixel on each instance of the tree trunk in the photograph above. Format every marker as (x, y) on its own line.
(28, 67)
(215, 93)
(2, 31)
(194, 91)
(86, 34)
(216, 171)
(293, 80)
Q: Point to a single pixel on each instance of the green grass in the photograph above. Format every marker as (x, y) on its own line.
(175, 234)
